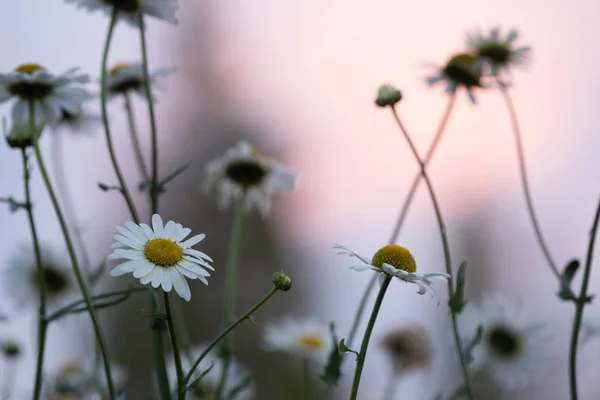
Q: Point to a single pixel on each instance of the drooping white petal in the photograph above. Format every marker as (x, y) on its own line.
(198, 254)
(180, 284)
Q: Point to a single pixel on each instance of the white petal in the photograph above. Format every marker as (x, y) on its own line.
(363, 267)
(193, 240)
(198, 261)
(157, 225)
(129, 242)
(131, 235)
(157, 277)
(194, 268)
(180, 284)
(148, 232)
(124, 268)
(346, 250)
(136, 230)
(130, 254)
(198, 254)
(146, 279)
(168, 230)
(182, 234)
(282, 179)
(167, 282)
(144, 270)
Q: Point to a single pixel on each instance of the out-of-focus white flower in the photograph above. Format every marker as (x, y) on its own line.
(245, 171)
(159, 256)
(499, 54)
(462, 70)
(128, 10)
(396, 261)
(239, 377)
(78, 122)
(49, 93)
(306, 338)
(515, 346)
(409, 348)
(124, 77)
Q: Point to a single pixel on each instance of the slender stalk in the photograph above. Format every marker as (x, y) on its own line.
(360, 362)
(525, 182)
(230, 289)
(71, 250)
(42, 324)
(154, 189)
(446, 246)
(403, 213)
(135, 140)
(306, 373)
(158, 326)
(581, 301)
(226, 331)
(103, 100)
(175, 347)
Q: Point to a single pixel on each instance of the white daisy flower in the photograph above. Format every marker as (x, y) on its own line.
(245, 170)
(130, 9)
(238, 376)
(498, 53)
(306, 338)
(78, 122)
(22, 285)
(159, 256)
(125, 77)
(514, 347)
(396, 261)
(50, 94)
(462, 70)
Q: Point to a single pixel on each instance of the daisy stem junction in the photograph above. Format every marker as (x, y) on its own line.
(223, 334)
(175, 348)
(135, 141)
(42, 323)
(581, 302)
(360, 361)
(230, 289)
(525, 182)
(446, 246)
(72, 255)
(403, 213)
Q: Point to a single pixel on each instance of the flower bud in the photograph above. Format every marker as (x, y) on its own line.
(282, 281)
(10, 348)
(20, 135)
(388, 96)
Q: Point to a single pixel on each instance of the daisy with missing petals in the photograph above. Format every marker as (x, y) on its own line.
(498, 53)
(126, 77)
(462, 70)
(245, 171)
(129, 10)
(49, 93)
(306, 338)
(514, 345)
(159, 256)
(396, 261)
(236, 387)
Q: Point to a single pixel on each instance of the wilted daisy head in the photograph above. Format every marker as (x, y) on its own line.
(244, 170)
(160, 256)
(129, 10)
(126, 77)
(515, 345)
(306, 338)
(22, 282)
(396, 261)
(461, 70)
(239, 377)
(50, 94)
(409, 348)
(496, 52)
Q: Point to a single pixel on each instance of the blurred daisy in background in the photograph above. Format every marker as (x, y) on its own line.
(238, 385)
(497, 53)
(128, 10)
(462, 70)
(49, 93)
(409, 349)
(124, 78)
(77, 122)
(244, 170)
(159, 256)
(514, 347)
(306, 338)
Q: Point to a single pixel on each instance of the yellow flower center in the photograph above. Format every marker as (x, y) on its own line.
(118, 68)
(29, 68)
(397, 256)
(163, 252)
(312, 341)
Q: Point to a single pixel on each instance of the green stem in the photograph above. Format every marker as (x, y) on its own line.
(306, 373)
(528, 199)
(154, 189)
(446, 246)
(403, 213)
(135, 141)
(230, 289)
(360, 362)
(158, 327)
(581, 302)
(103, 100)
(72, 255)
(42, 325)
(226, 331)
(174, 346)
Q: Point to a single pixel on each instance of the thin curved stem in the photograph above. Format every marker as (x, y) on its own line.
(360, 362)
(135, 140)
(446, 246)
(71, 250)
(525, 182)
(581, 302)
(103, 100)
(403, 213)
(42, 324)
(174, 346)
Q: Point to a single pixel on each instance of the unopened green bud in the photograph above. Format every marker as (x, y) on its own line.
(20, 135)
(282, 281)
(10, 348)
(387, 96)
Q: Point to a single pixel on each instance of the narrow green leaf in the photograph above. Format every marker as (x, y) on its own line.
(565, 292)
(468, 352)
(332, 372)
(457, 302)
